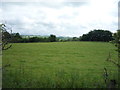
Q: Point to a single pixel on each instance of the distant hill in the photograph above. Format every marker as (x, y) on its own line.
(64, 38)
(59, 37)
(27, 36)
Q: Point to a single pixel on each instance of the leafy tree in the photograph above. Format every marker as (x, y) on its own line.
(97, 35)
(52, 38)
(85, 37)
(24, 40)
(16, 38)
(34, 39)
(75, 39)
(46, 39)
(6, 37)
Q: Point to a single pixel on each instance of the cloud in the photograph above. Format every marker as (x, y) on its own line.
(60, 18)
(75, 4)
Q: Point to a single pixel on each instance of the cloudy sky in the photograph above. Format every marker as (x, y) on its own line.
(60, 17)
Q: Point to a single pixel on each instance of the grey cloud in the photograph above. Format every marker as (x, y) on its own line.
(49, 25)
(65, 17)
(75, 4)
(15, 22)
(55, 5)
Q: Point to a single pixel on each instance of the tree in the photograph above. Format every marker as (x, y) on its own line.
(34, 39)
(16, 38)
(75, 39)
(97, 35)
(52, 38)
(6, 37)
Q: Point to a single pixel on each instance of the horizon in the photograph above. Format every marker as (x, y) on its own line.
(59, 35)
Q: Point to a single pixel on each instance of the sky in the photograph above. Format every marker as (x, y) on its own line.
(71, 18)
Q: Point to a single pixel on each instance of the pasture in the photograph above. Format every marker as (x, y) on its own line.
(58, 65)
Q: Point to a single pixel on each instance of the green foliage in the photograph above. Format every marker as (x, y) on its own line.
(34, 39)
(38, 39)
(111, 83)
(6, 37)
(16, 38)
(75, 39)
(97, 35)
(52, 38)
(117, 41)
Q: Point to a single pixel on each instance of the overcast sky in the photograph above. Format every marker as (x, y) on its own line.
(61, 18)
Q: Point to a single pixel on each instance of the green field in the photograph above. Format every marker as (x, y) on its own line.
(58, 64)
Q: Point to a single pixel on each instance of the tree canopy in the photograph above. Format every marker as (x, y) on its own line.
(97, 35)
(52, 38)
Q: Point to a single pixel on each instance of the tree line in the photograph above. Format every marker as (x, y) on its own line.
(17, 38)
(95, 35)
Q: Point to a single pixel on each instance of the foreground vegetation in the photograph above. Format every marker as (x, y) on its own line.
(58, 65)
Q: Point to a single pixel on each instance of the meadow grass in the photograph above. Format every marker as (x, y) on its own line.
(58, 64)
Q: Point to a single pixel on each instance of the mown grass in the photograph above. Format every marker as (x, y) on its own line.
(58, 64)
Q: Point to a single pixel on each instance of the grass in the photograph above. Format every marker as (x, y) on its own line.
(58, 64)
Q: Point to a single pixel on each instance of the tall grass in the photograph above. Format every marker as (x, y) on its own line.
(58, 79)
